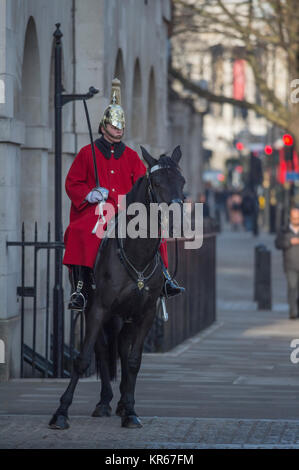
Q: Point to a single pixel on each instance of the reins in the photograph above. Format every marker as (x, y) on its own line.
(128, 265)
(153, 196)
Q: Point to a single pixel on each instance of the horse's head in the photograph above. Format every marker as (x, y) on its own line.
(165, 178)
(165, 186)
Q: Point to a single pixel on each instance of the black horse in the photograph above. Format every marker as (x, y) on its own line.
(121, 310)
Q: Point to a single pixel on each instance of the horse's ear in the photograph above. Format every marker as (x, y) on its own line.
(147, 157)
(176, 154)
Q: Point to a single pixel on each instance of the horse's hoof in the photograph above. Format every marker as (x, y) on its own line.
(59, 422)
(102, 410)
(131, 421)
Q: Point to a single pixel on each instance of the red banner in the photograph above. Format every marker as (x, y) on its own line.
(239, 79)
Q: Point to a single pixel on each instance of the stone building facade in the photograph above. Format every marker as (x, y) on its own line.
(101, 39)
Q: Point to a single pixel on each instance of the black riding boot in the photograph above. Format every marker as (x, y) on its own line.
(171, 287)
(81, 277)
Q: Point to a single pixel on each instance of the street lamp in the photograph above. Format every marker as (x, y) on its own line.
(58, 304)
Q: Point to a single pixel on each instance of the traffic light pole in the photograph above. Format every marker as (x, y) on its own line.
(58, 302)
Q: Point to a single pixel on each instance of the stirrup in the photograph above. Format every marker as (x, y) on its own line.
(164, 311)
(78, 293)
(77, 309)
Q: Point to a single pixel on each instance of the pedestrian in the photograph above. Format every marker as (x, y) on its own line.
(119, 167)
(287, 240)
(234, 211)
(205, 208)
(248, 210)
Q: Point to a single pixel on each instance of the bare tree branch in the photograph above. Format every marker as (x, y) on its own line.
(272, 116)
(242, 26)
(246, 30)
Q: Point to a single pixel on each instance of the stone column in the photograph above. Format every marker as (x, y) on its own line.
(11, 136)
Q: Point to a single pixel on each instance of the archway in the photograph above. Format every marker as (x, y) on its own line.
(30, 114)
(30, 109)
(33, 176)
(136, 119)
(119, 72)
(151, 110)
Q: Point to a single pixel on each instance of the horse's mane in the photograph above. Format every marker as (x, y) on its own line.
(137, 190)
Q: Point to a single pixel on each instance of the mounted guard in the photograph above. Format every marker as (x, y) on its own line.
(100, 174)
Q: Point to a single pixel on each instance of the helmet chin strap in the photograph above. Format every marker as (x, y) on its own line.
(112, 136)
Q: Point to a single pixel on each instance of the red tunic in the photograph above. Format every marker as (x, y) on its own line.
(117, 175)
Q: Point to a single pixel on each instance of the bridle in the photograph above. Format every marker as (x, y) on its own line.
(136, 275)
(154, 199)
(151, 191)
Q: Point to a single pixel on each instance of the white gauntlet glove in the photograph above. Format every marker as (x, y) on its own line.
(97, 195)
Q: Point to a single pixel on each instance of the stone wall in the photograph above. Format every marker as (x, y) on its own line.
(101, 39)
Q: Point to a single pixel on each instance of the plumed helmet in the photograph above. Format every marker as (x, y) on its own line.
(114, 113)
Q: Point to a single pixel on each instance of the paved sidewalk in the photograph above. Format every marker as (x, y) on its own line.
(30, 432)
(231, 386)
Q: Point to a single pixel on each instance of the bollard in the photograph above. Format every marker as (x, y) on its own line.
(262, 278)
(256, 249)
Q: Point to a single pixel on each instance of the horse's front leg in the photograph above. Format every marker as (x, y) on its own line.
(130, 364)
(94, 318)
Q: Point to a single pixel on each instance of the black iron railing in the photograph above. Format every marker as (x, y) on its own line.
(194, 310)
(42, 359)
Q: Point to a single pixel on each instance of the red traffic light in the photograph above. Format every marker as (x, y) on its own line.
(288, 139)
(268, 150)
(239, 146)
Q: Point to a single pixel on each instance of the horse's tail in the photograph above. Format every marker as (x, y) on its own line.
(108, 338)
